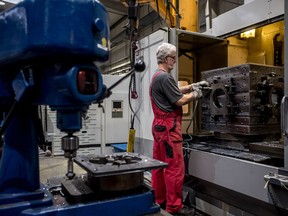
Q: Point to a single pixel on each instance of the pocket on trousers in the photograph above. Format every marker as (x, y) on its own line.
(159, 128)
(169, 150)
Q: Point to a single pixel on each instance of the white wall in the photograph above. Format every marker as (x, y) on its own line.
(116, 129)
(143, 122)
(99, 128)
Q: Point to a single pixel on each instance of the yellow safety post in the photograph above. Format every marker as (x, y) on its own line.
(131, 136)
(131, 139)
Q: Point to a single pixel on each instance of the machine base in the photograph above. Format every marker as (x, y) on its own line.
(138, 203)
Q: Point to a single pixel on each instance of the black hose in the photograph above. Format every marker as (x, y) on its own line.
(8, 118)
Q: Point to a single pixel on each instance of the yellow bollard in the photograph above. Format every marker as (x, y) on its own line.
(131, 138)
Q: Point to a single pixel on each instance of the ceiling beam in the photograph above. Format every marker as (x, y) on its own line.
(115, 6)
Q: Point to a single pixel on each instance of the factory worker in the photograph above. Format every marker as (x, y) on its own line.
(167, 100)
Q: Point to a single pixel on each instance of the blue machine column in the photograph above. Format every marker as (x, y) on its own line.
(47, 57)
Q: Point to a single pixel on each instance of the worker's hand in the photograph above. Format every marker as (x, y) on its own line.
(199, 85)
(203, 83)
(197, 93)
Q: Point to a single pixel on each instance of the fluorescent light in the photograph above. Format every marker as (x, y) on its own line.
(248, 34)
(12, 1)
(2, 3)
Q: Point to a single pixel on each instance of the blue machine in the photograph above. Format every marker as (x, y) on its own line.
(46, 58)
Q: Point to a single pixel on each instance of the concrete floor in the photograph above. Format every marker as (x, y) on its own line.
(54, 167)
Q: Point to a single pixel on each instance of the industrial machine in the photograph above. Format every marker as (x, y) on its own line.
(243, 101)
(242, 108)
(236, 155)
(235, 152)
(46, 57)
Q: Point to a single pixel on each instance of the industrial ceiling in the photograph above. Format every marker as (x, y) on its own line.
(115, 8)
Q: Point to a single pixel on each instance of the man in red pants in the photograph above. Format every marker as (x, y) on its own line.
(167, 100)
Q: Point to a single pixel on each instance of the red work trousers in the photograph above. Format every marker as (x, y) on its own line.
(168, 182)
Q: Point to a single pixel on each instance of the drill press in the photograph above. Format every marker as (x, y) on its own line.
(46, 58)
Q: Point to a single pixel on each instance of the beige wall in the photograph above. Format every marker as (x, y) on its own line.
(186, 73)
(237, 51)
(255, 50)
(263, 42)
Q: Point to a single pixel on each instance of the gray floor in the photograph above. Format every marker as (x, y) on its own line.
(54, 167)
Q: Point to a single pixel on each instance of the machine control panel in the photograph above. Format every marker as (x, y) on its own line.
(117, 109)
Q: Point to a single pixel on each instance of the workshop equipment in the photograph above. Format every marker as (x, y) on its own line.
(227, 176)
(244, 101)
(46, 58)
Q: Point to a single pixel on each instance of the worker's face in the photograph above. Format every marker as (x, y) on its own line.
(171, 60)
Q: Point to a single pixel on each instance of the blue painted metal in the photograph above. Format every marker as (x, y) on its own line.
(56, 29)
(140, 204)
(44, 43)
(15, 204)
(19, 167)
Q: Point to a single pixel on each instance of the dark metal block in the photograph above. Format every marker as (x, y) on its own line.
(244, 99)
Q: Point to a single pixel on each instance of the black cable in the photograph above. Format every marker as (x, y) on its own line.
(157, 6)
(130, 105)
(37, 121)
(174, 9)
(8, 118)
(274, 200)
(192, 119)
(186, 141)
(6, 122)
(132, 83)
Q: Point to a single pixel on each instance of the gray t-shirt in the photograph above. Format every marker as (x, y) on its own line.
(165, 92)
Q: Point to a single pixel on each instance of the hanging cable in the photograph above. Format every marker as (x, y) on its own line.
(132, 131)
(6, 122)
(192, 119)
(273, 199)
(133, 16)
(186, 141)
(8, 118)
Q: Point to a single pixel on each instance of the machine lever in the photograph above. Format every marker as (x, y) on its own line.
(101, 106)
(119, 81)
(139, 66)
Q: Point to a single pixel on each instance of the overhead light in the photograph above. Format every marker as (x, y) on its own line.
(13, 1)
(2, 3)
(248, 34)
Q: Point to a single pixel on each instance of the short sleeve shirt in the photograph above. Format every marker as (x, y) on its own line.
(165, 92)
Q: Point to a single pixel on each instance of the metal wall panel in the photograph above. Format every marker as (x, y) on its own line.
(246, 15)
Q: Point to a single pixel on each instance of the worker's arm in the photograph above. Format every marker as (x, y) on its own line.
(186, 89)
(189, 88)
(187, 98)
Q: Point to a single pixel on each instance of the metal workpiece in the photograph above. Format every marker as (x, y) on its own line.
(117, 163)
(111, 178)
(243, 100)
